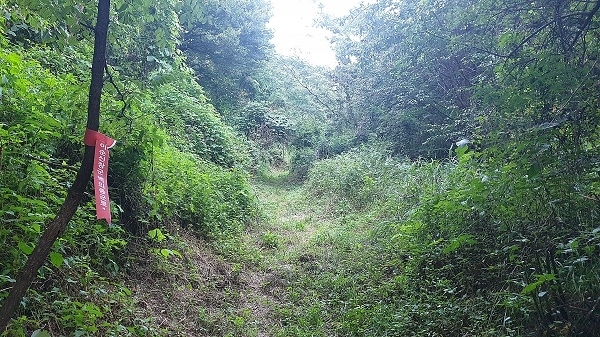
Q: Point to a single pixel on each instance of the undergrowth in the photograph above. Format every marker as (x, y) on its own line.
(153, 184)
(464, 247)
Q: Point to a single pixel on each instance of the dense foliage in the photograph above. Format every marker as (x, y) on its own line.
(500, 238)
(176, 162)
(227, 47)
(454, 152)
(430, 248)
(425, 74)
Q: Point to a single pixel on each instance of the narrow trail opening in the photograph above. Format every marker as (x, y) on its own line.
(242, 287)
(288, 225)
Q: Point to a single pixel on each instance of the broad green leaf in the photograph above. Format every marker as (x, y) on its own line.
(530, 287)
(25, 248)
(156, 234)
(165, 252)
(56, 259)
(541, 279)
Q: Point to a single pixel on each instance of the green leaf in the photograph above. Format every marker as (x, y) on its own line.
(157, 235)
(541, 279)
(464, 239)
(530, 287)
(56, 259)
(165, 252)
(25, 248)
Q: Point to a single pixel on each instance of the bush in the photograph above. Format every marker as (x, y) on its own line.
(300, 163)
(42, 123)
(183, 110)
(476, 244)
(204, 196)
(506, 231)
(368, 179)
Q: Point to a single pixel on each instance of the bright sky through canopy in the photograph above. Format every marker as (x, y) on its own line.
(294, 33)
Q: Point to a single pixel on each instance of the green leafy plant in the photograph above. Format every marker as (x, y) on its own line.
(270, 240)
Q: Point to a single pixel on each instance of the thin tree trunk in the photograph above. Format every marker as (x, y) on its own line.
(58, 225)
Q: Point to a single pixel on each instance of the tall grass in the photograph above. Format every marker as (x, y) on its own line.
(455, 248)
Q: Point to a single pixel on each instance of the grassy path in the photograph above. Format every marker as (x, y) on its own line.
(293, 273)
(367, 259)
(246, 287)
(280, 242)
(299, 271)
(320, 273)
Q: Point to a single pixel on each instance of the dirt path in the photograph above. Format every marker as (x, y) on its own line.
(240, 289)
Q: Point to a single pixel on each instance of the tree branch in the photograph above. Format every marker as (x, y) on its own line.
(586, 23)
(316, 97)
(590, 15)
(122, 98)
(51, 163)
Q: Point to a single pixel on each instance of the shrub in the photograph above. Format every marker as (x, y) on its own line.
(300, 163)
(475, 244)
(212, 200)
(183, 110)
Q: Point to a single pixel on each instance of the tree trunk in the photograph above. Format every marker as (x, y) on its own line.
(58, 225)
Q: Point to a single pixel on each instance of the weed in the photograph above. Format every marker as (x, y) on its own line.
(270, 240)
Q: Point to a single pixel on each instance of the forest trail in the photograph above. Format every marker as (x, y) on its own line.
(280, 239)
(244, 291)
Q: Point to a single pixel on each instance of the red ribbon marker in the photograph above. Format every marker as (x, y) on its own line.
(102, 143)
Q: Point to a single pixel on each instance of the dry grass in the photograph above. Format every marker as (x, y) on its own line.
(187, 295)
